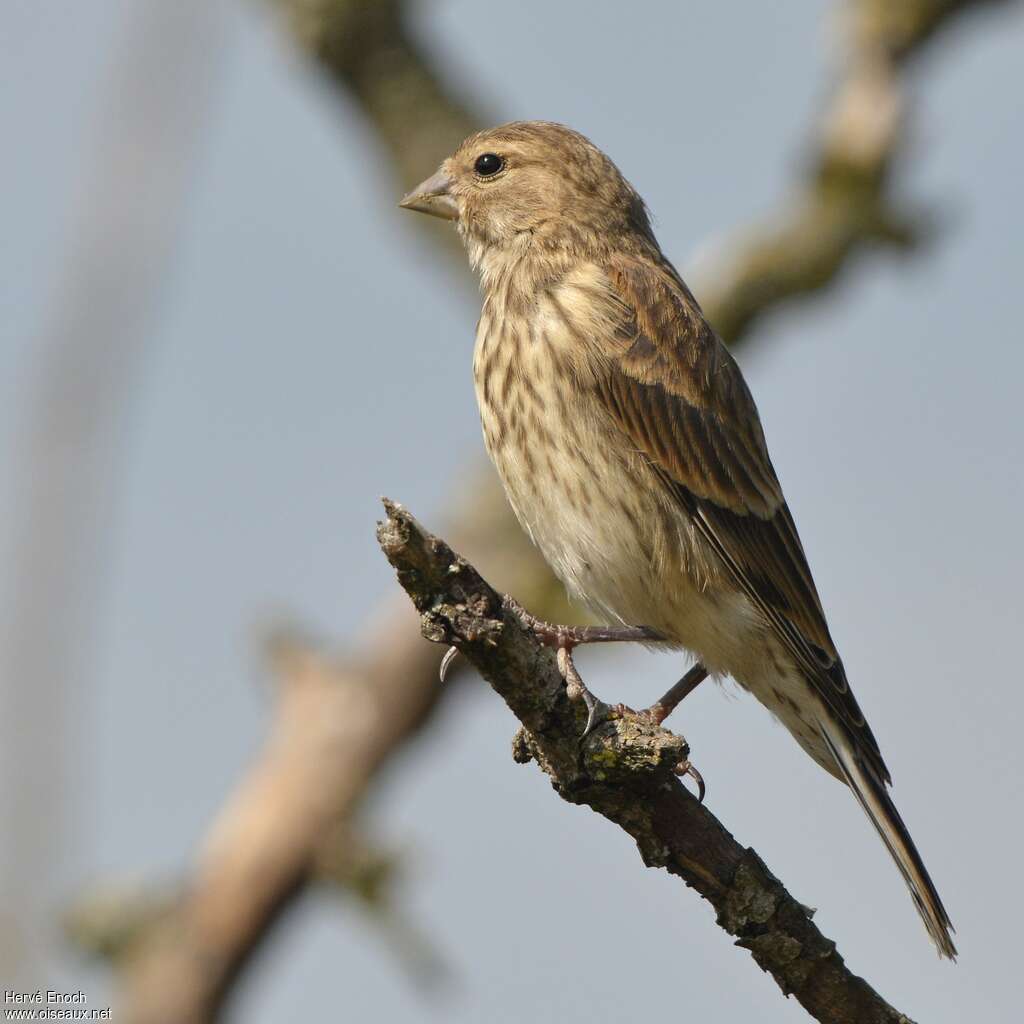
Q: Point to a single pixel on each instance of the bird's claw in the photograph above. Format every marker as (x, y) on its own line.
(594, 707)
(688, 769)
(575, 689)
(449, 656)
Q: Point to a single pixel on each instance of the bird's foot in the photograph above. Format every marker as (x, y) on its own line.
(661, 709)
(665, 705)
(564, 639)
(576, 689)
(655, 714)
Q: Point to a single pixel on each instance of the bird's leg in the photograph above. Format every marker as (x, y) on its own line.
(556, 636)
(662, 708)
(567, 637)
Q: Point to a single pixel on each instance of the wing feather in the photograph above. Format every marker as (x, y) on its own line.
(678, 395)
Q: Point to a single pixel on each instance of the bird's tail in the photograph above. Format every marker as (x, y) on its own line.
(872, 796)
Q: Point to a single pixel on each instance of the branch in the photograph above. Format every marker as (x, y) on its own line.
(289, 823)
(367, 51)
(370, 53)
(85, 365)
(845, 202)
(627, 772)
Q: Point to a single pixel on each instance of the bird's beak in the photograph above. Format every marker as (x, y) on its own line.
(433, 196)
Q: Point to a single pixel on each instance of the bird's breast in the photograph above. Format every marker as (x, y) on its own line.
(592, 504)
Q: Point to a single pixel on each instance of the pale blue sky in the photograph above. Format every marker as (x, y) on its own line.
(311, 351)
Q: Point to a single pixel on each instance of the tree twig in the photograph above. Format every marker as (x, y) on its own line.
(844, 201)
(627, 771)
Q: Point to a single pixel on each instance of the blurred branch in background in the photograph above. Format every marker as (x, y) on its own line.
(367, 49)
(298, 798)
(846, 201)
(129, 214)
(294, 820)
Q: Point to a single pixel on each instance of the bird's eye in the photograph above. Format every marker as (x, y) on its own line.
(488, 164)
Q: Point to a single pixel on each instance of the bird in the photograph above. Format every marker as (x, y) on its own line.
(632, 452)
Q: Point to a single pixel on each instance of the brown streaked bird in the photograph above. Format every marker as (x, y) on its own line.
(632, 452)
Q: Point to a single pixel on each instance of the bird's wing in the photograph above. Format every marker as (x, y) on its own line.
(678, 395)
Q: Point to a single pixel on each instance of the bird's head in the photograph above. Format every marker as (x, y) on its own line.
(532, 183)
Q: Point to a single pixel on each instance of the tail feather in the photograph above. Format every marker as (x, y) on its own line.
(871, 794)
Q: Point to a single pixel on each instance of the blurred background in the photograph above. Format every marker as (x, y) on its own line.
(231, 788)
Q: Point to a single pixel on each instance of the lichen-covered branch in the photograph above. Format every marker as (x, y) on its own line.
(627, 771)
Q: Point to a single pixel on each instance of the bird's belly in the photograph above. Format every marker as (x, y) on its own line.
(629, 555)
(611, 532)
